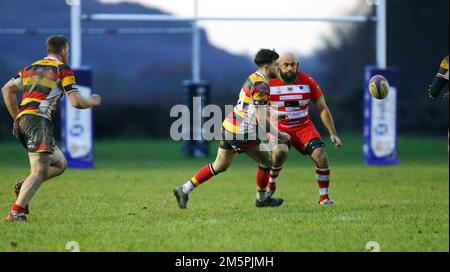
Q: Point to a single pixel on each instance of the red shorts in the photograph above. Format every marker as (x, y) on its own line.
(300, 136)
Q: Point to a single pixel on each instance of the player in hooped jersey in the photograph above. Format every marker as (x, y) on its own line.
(240, 134)
(291, 93)
(439, 83)
(42, 84)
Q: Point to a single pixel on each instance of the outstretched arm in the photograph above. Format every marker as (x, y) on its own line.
(80, 102)
(440, 80)
(67, 79)
(327, 120)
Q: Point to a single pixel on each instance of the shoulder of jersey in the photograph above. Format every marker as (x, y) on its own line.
(303, 76)
(444, 63)
(48, 62)
(274, 81)
(255, 77)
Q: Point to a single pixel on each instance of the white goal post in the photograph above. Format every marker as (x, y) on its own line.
(77, 17)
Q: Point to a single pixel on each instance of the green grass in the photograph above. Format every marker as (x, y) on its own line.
(125, 203)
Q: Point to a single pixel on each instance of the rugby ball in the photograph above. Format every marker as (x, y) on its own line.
(378, 87)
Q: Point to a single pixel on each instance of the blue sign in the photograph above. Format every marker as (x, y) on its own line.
(77, 129)
(380, 120)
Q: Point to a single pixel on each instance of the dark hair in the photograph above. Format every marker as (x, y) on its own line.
(265, 56)
(56, 44)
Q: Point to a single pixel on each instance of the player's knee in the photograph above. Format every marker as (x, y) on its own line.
(59, 161)
(320, 157)
(280, 153)
(62, 165)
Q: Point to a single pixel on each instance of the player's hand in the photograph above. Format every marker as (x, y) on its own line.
(445, 96)
(336, 140)
(282, 117)
(96, 100)
(15, 129)
(284, 137)
(278, 115)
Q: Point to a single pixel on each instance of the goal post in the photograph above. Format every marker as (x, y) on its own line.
(379, 20)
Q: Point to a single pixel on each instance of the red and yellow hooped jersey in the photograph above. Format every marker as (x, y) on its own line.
(43, 83)
(254, 92)
(293, 99)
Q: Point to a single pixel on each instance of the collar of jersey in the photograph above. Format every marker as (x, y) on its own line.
(261, 75)
(51, 58)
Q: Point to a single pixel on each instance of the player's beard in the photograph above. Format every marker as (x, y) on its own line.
(288, 76)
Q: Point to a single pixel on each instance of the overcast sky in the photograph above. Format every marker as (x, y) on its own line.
(248, 37)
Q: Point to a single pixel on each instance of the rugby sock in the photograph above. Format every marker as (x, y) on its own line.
(17, 208)
(262, 178)
(323, 179)
(274, 172)
(188, 186)
(201, 176)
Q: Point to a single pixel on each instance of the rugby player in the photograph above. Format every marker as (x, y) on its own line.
(291, 93)
(439, 81)
(42, 84)
(438, 84)
(240, 134)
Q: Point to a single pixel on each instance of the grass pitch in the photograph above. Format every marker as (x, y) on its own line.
(126, 204)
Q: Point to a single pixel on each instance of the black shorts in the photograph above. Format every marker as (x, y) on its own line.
(237, 145)
(36, 134)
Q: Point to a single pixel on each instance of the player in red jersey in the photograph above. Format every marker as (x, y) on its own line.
(291, 94)
(42, 84)
(240, 134)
